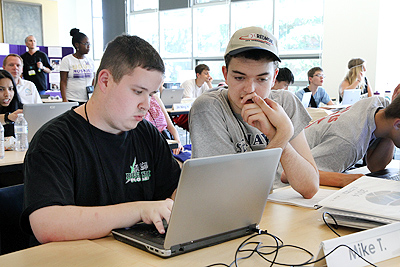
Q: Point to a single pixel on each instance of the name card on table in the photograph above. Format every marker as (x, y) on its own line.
(375, 245)
(181, 106)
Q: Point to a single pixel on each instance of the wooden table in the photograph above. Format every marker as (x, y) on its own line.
(294, 225)
(12, 161)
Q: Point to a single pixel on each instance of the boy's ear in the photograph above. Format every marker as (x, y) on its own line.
(396, 124)
(103, 79)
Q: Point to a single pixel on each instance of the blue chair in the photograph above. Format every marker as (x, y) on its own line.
(11, 236)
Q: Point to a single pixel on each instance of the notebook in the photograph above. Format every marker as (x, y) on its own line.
(171, 96)
(351, 96)
(365, 203)
(388, 173)
(218, 199)
(38, 114)
(306, 99)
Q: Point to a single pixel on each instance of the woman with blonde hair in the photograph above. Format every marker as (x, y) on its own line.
(355, 78)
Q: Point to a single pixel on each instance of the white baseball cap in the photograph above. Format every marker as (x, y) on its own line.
(252, 38)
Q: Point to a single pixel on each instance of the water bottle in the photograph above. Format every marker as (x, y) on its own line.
(1, 141)
(21, 133)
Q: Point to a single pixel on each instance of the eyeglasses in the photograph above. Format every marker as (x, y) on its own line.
(85, 44)
(319, 75)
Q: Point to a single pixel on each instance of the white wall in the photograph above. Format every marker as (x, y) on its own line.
(388, 54)
(74, 14)
(350, 30)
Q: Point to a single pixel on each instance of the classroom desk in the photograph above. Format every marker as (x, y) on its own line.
(12, 161)
(172, 112)
(294, 225)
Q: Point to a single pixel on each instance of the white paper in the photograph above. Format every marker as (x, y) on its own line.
(54, 51)
(4, 49)
(54, 77)
(375, 245)
(289, 196)
(369, 196)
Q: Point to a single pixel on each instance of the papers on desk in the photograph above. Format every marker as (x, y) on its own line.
(365, 203)
(289, 196)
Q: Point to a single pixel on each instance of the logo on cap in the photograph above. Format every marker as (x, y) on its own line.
(258, 38)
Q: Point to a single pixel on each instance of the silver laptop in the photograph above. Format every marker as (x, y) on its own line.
(218, 199)
(171, 96)
(351, 96)
(38, 114)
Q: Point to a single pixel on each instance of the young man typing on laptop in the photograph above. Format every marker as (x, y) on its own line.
(368, 128)
(249, 116)
(101, 166)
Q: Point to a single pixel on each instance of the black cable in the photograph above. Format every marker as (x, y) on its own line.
(336, 226)
(257, 250)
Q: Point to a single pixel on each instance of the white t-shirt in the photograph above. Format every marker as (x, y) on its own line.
(191, 89)
(80, 75)
(28, 92)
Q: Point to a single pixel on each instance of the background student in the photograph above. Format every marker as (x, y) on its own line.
(101, 166)
(36, 64)
(10, 104)
(158, 116)
(77, 70)
(249, 116)
(315, 80)
(355, 78)
(284, 79)
(27, 91)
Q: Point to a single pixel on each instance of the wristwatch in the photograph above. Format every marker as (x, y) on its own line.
(6, 119)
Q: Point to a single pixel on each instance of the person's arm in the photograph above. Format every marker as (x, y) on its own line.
(170, 126)
(337, 179)
(370, 93)
(297, 162)
(60, 223)
(346, 85)
(209, 82)
(379, 156)
(63, 85)
(12, 116)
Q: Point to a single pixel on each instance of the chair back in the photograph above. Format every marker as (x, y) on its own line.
(12, 238)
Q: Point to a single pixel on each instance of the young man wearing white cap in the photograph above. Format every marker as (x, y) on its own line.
(249, 116)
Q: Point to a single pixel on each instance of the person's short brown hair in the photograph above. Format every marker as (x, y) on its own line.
(127, 52)
(12, 55)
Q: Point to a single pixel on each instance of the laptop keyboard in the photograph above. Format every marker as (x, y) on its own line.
(150, 232)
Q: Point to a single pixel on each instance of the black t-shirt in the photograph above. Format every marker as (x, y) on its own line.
(70, 162)
(31, 71)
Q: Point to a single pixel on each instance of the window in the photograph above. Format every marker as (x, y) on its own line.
(146, 26)
(210, 36)
(188, 33)
(97, 43)
(176, 33)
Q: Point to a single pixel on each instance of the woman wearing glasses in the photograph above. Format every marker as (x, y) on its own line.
(77, 70)
(315, 79)
(355, 78)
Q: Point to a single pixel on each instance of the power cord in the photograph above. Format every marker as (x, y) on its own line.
(257, 248)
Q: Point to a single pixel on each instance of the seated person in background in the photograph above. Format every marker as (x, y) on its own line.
(369, 127)
(101, 166)
(195, 87)
(315, 79)
(159, 117)
(26, 89)
(10, 105)
(355, 78)
(283, 79)
(249, 116)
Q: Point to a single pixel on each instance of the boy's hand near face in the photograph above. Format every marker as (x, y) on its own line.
(269, 117)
